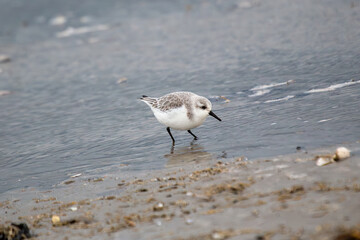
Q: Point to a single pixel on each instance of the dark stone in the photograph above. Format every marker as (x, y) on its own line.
(18, 232)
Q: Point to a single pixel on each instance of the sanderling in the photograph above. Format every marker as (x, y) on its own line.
(180, 110)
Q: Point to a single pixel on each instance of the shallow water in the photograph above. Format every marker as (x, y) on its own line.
(67, 113)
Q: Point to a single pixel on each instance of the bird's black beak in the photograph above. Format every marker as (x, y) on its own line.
(213, 114)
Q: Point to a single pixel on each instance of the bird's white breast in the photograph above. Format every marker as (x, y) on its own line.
(177, 118)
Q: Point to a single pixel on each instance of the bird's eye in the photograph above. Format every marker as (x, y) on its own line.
(203, 107)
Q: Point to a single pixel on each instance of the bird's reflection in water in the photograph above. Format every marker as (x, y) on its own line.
(194, 153)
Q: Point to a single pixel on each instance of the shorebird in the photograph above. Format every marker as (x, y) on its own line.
(180, 111)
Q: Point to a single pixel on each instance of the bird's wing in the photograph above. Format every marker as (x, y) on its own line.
(170, 101)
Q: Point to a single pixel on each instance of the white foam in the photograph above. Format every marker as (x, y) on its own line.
(259, 93)
(295, 176)
(58, 20)
(261, 87)
(324, 120)
(333, 87)
(280, 99)
(76, 31)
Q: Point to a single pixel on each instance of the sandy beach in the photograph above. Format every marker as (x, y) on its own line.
(283, 197)
(81, 157)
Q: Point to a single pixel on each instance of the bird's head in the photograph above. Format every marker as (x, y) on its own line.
(203, 108)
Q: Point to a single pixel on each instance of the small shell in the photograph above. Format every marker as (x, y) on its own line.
(321, 161)
(76, 175)
(73, 208)
(342, 153)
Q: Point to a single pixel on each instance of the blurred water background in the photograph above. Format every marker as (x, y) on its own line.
(288, 70)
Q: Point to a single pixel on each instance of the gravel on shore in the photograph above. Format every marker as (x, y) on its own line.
(283, 197)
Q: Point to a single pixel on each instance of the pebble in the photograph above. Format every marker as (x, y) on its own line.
(55, 219)
(158, 207)
(189, 194)
(4, 59)
(342, 153)
(122, 80)
(4, 92)
(218, 235)
(14, 231)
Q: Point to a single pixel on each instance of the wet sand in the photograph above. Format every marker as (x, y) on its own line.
(283, 197)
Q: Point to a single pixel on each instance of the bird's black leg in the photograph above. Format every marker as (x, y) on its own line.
(195, 137)
(168, 129)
